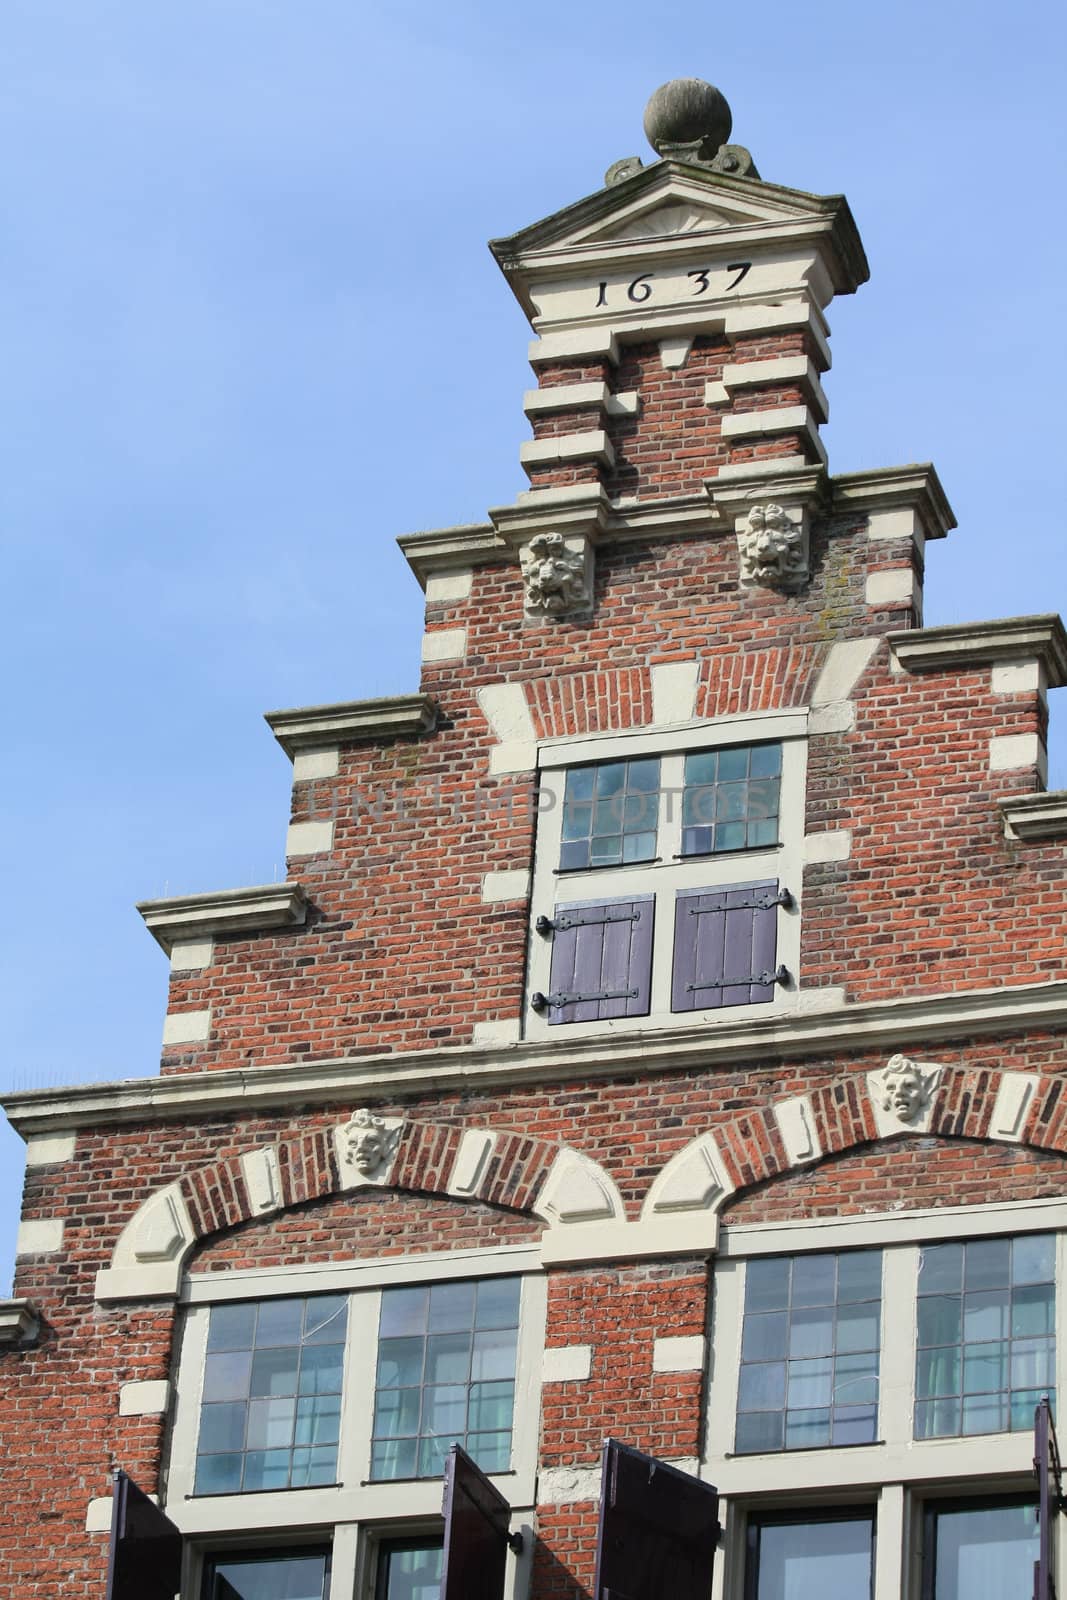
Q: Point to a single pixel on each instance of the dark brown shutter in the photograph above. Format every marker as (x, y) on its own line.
(601, 960)
(658, 1530)
(1049, 1500)
(477, 1536)
(725, 946)
(145, 1560)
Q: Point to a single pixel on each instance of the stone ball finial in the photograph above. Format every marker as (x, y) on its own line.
(687, 113)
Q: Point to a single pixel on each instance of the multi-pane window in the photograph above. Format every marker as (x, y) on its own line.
(280, 1575)
(796, 1557)
(986, 1335)
(271, 1403)
(730, 799)
(446, 1374)
(809, 1351)
(981, 1550)
(409, 1569)
(610, 812)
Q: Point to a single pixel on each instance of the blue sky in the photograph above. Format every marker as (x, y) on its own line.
(251, 332)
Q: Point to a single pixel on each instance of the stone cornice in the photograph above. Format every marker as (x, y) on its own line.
(1035, 816)
(469, 544)
(899, 1023)
(319, 727)
(970, 644)
(889, 488)
(228, 911)
(19, 1323)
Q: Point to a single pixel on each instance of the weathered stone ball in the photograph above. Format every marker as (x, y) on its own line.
(685, 110)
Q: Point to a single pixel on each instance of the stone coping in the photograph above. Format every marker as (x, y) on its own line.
(322, 727)
(966, 644)
(20, 1323)
(900, 1023)
(891, 488)
(1035, 816)
(186, 917)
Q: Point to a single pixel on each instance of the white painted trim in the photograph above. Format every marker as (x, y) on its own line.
(309, 838)
(571, 750)
(146, 1398)
(187, 1027)
(567, 1363)
(41, 1237)
(678, 1353)
(309, 765)
(512, 883)
(49, 1152)
(333, 1277)
(444, 644)
(878, 1229)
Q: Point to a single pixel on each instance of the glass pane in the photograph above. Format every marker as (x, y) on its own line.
(444, 1410)
(432, 1453)
(577, 821)
(218, 1474)
(397, 1412)
(763, 798)
(448, 1358)
(494, 1354)
(573, 856)
(814, 1280)
(938, 1371)
(410, 1572)
(393, 1458)
(226, 1375)
(810, 1383)
(858, 1327)
(987, 1264)
(610, 778)
(984, 1413)
(696, 841)
(985, 1315)
(856, 1380)
(491, 1405)
(831, 1560)
(311, 1467)
(730, 836)
(498, 1303)
(766, 760)
(491, 1451)
(325, 1319)
(730, 802)
(1032, 1311)
(231, 1327)
(280, 1322)
(451, 1307)
(400, 1361)
(639, 847)
(985, 1368)
(1032, 1364)
(270, 1424)
(222, 1427)
(940, 1320)
(266, 1469)
(854, 1425)
(274, 1577)
(859, 1275)
(701, 767)
(762, 1387)
(937, 1419)
(941, 1269)
(811, 1332)
(986, 1553)
(579, 784)
(643, 776)
(318, 1420)
(767, 1284)
(807, 1430)
(765, 1336)
(758, 1431)
(763, 832)
(733, 762)
(606, 852)
(1033, 1258)
(320, 1369)
(274, 1372)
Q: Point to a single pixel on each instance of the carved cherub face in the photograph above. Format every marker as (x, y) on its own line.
(906, 1087)
(365, 1142)
(770, 544)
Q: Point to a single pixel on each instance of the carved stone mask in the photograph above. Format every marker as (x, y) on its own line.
(367, 1142)
(905, 1087)
(772, 549)
(554, 576)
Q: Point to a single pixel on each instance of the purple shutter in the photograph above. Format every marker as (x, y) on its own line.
(601, 950)
(657, 1532)
(477, 1536)
(723, 939)
(145, 1559)
(1049, 1500)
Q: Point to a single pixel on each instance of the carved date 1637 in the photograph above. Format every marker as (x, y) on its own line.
(640, 288)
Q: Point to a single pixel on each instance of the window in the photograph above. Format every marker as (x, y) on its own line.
(799, 1557)
(986, 1338)
(666, 873)
(809, 1351)
(324, 1414)
(980, 1550)
(884, 1370)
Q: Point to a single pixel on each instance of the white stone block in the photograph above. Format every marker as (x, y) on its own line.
(674, 691)
(895, 587)
(674, 352)
(716, 394)
(837, 718)
(191, 955)
(148, 1398)
(98, 1515)
(591, 446)
(563, 397)
(475, 1149)
(444, 644)
(780, 419)
(311, 764)
(1010, 751)
(627, 403)
(447, 588)
(42, 1238)
(771, 468)
(796, 1124)
(49, 1152)
(507, 712)
(1015, 677)
(902, 523)
(842, 669)
(504, 1030)
(678, 1353)
(1015, 1096)
(567, 1486)
(505, 758)
(309, 838)
(262, 1179)
(569, 1363)
(833, 845)
(513, 885)
(831, 997)
(187, 1027)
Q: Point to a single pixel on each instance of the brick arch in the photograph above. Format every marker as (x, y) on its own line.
(970, 1103)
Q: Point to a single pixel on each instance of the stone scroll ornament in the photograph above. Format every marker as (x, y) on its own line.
(903, 1091)
(368, 1143)
(773, 550)
(554, 577)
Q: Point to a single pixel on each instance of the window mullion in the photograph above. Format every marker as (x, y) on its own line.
(896, 1400)
(889, 1544)
(357, 1396)
(343, 1558)
(672, 779)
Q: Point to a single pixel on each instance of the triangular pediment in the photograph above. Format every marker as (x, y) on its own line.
(665, 200)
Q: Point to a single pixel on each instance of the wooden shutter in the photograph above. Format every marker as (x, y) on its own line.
(477, 1536)
(725, 946)
(601, 960)
(1050, 1500)
(657, 1532)
(145, 1559)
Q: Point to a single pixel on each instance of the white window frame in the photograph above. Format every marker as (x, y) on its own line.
(669, 872)
(354, 1516)
(897, 1475)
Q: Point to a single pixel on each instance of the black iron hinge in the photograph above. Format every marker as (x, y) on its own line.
(762, 979)
(552, 1002)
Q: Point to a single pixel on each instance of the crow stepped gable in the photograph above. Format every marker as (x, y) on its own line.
(659, 1035)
